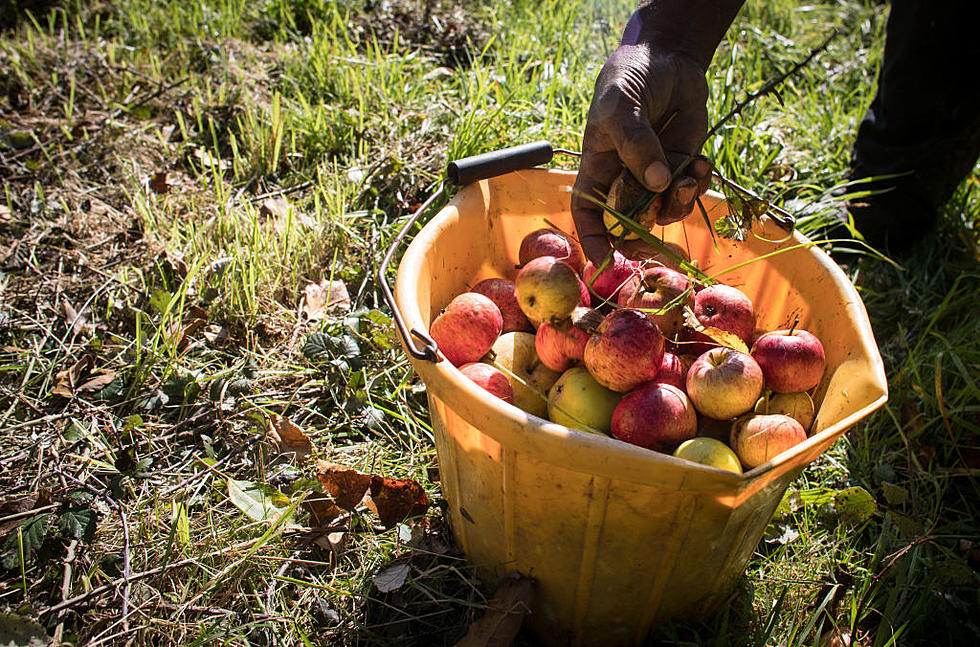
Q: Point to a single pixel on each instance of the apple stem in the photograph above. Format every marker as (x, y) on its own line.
(796, 322)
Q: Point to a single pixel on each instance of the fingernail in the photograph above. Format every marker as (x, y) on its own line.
(657, 176)
(685, 194)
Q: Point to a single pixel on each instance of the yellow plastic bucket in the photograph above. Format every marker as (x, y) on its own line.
(619, 538)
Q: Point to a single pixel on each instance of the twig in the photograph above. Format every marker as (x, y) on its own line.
(38, 421)
(136, 577)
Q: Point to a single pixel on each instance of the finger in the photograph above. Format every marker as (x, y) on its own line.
(596, 173)
(679, 202)
(641, 152)
(701, 169)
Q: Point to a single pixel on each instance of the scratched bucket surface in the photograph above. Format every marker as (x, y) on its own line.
(619, 538)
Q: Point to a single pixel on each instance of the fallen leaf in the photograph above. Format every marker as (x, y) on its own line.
(20, 631)
(396, 499)
(75, 322)
(391, 578)
(16, 505)
(323, 297)
(158, 183)
(722, 337)
(346, 486)
(217, 334)
(275, 207)
(66, 382)
(258, 501)
(96, 381)
(289, 438)
(322, 511)
(498, 627)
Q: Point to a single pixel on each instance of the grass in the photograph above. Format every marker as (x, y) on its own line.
(348, 112)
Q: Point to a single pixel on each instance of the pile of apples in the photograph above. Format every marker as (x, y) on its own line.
(613, 353)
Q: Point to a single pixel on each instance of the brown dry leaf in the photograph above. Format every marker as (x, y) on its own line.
(75, 321)
(67, 381)
(275, 207)
(289, 438)
(498, 627)
(16, 505)
(158, 183)
(323, 297)
(322, 511)
(346, 486)
(217, 334)
(396, 499)
(96, 381)
(5, 213)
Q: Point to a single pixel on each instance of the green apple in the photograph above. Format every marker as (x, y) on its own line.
(514, 354)
(579, 402)
(709, 451)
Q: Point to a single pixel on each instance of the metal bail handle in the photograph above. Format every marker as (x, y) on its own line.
(459, 172)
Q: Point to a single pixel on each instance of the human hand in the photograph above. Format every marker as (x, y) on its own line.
(648, 116)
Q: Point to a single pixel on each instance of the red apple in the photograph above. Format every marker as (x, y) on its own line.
(467, 328)
(560, 345)
(672, 371)
(547, 289)
(726, 308)
(724, 383)
(585, 300)
(656, 416)
(791, 360)
(626, 351)
(490, 379)
(760, 438)
(551, 242)
(501, 292)
(616, 273)
(655, 289)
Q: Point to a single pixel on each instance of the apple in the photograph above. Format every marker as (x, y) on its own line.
(577, 401)
(656, 416)
(501, 292)
(529, 377)
(490, 379)
(551, 242)
(608, 282)
(547, 289)
(655, 289)
(726, 308)
(624, 196)
(724, 383)
(626, 350)
(711, 452)
(798, 406)
(672, 371)
(760, 438)
(791, 360)
(560, 345)
(467, 328)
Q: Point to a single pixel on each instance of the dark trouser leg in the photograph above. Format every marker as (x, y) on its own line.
(924, 120)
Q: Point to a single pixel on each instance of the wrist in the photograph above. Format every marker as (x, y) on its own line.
(690, 27)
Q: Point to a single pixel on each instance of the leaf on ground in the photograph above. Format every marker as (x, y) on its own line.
(289, 438)
(855, 505)
(196, 318)
(16, 505)
(76, 322)
(18, 631)
(321, 347)
(322, 510)
(396, 499)
(894, 494)
(258, 501)
(346, 486)
(78, 522)
(498, 627)
(158, 183)
(324, 297)
(80, 378)
(391, 578)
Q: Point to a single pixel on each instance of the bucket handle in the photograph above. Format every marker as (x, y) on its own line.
(459, 172)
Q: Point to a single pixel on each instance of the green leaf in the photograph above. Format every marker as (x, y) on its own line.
(323, 347)
(18, 631)
(894, 494)
(78, 523)
(258, 501)
(855, 505)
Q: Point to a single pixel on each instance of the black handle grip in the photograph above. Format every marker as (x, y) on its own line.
(494, 163)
